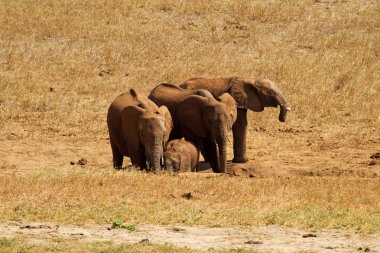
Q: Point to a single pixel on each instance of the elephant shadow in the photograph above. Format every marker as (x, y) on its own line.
(252, 169)
(205, 167)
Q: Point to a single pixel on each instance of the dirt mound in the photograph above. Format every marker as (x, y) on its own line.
(239, 171)
(250, 169)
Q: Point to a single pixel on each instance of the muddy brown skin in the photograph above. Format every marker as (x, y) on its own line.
(203, 120)
(283, 113)
(171, 95)
(138, 129)
(252, 95)
(181, 156)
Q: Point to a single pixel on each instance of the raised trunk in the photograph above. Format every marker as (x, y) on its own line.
(283, 112)
(239, 130)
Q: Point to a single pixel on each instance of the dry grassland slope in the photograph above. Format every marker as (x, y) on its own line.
(63, 62)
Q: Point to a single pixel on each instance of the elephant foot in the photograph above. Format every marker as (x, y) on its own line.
(239, 160)
(118, 167)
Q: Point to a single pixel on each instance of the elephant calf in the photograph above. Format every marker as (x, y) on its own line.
(181, 156)
(139, 129)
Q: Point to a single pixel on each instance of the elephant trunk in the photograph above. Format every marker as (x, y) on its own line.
(156, 156)
(222, 152)
(280, 100)
(283, 112)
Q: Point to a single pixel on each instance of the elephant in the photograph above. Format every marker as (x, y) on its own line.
(181, 155)
(171, 95)
(248, 94)
(200, 118)
(138, 129)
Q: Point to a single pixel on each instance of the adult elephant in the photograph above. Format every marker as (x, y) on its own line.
(200, 118)
(171, 95)
(248, 94)
(139, 129)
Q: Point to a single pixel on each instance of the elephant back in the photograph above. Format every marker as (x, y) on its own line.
(132, 97)
(169, 92)
(217, 86)
(169, 95)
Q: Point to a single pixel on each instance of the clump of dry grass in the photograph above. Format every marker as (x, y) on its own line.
(101, 196)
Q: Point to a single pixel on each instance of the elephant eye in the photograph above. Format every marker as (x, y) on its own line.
(271, 93)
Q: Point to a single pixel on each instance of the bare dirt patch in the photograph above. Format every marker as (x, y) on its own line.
(268, 238)
(320, 159)
(33, 155)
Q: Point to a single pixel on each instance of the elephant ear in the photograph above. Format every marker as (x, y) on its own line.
(230, 103)
(246, 95)
(168, 121)
(133, 92)
(168, 146)
(189, 114)
(129, 125)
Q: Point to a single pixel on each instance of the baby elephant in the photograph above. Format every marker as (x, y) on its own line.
(181, 156)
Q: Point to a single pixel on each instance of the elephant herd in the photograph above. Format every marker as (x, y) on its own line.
(171, 126)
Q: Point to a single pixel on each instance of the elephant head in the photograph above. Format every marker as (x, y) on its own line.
(148, 132)
(210, 120)
(257, 94)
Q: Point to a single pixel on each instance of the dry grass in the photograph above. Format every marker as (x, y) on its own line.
(323, 54)
(74, 246)
(102, 196)
(63, 62)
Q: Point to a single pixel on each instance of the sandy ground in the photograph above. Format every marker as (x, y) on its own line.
(268, 238)
(310, 158)
(318, 159)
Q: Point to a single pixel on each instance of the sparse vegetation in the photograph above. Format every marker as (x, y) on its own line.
(63, 62)
(101, 247)
(121, 224)
(5, 242)
(99, 195)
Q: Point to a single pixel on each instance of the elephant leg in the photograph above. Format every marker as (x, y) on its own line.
(211, 154)
(239, 130)
(142, 162)
(117, 156)
(138, 157)
(196, 169)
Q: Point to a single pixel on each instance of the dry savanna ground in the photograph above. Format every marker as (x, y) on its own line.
(63, 62)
